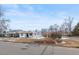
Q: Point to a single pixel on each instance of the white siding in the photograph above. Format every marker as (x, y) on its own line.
(22, 35)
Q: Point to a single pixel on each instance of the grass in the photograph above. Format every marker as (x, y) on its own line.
(47, 41)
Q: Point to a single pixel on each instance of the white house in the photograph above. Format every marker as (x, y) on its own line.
(37, 35)
(20, 34)
(26, 34)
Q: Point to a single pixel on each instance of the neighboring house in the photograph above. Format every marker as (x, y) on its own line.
(37, 35)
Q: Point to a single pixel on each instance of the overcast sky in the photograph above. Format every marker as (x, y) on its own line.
(30, 16)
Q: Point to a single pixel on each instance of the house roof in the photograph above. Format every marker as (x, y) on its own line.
(24, 32)
(19, 31)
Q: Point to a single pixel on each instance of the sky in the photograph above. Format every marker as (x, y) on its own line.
(37, 16)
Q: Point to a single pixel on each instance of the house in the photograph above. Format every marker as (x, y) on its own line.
(25, 34)
(37, 35)
(20, 34)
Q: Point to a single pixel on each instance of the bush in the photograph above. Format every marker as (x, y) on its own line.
(55, 35)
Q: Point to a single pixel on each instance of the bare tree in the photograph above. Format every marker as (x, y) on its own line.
(43, 30)
(70, 20)
(3, 22)
(3, 26)
(51, 28)
(1, 11)
(66, 27)
(54, 28)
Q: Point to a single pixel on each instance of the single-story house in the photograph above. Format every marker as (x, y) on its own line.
(37, 35)
(20, 34)
(25, 34)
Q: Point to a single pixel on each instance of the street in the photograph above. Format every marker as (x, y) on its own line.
(9, 48)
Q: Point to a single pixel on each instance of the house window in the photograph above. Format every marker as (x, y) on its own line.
(17, 35)
(21, 34)
(30, 34)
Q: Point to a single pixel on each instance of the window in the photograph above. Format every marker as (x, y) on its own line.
(21, 34)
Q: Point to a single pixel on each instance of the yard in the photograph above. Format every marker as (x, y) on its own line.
(71, 42)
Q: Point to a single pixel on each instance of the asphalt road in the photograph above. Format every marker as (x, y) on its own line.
(8, 48)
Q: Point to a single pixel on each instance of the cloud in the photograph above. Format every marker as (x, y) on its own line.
(30, 8)
(10, 6)
(27, 7)
(17, 13)
(16, 10)
(34, 21)
(28, 17)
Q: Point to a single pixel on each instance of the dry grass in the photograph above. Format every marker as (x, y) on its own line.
(24, 40)
(44, 41)
(35, 41)
(48, 41)
(70, 43)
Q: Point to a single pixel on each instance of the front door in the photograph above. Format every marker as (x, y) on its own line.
(27, 35)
